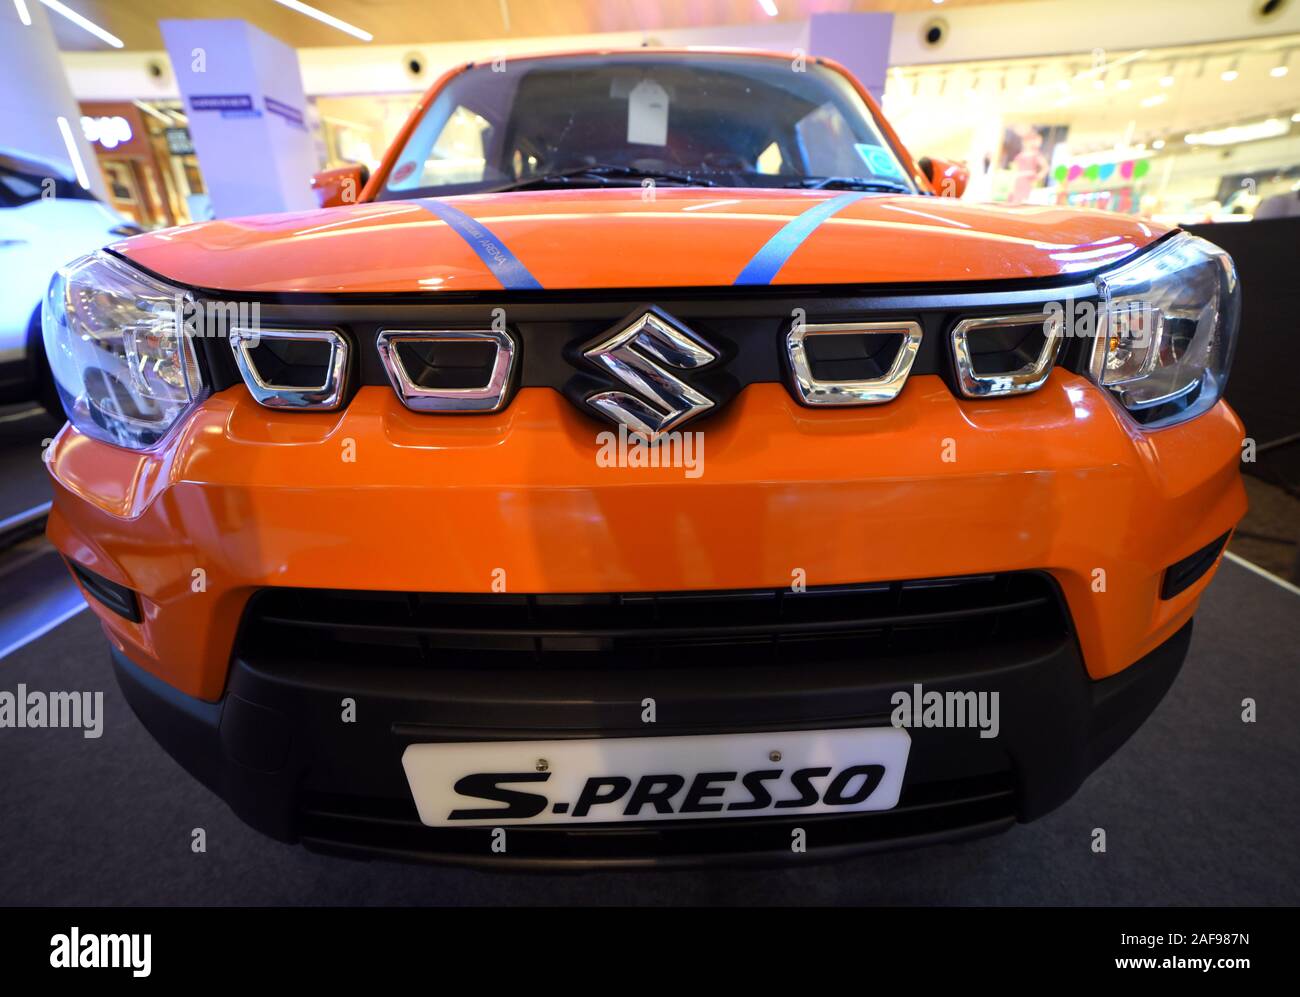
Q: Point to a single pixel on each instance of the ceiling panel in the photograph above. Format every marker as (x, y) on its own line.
(394, 22)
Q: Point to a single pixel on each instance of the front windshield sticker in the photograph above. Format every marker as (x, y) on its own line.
(647, 114)
(879, 161)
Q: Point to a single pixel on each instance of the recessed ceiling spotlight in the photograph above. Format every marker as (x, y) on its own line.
(1158, 144)
(1230, 74)
(1281, 68)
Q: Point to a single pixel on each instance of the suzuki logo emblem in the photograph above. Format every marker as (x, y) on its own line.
(643, 356)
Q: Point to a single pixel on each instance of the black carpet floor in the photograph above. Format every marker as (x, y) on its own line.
(1199, 808)
(23, 479)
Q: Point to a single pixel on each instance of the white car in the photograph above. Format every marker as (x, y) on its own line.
(46, 219)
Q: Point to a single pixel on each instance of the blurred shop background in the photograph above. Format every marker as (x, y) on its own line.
(1187, 112)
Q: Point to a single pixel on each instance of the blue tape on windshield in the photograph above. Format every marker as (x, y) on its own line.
(505, 266)
(772, 257)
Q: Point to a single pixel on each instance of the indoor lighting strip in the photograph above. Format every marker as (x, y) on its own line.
(24, 14)
(83, 22)
(333, 22)
(74, 153)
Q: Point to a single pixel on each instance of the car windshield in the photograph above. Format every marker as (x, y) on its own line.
(614, 120)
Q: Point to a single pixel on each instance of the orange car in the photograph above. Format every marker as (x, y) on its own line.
(650, 466)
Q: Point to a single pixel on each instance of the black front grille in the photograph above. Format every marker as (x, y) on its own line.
(746, 327)
(656, 630)
(926, 813)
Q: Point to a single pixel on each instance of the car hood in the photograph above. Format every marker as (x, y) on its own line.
(635, 238)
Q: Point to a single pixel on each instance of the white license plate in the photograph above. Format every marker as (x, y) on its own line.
(657, 778)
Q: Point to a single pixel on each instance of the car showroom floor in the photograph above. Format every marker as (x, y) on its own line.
(1199, 808)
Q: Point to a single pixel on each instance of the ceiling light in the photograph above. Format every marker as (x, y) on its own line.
(24, 14)
(74, 153)
(83, 23)
(320, 15)
(1255, 130)
(1296, 116)
(769, 7)
(1230, 74)
(1281, 69)
(1124, 81)
(1158, 144)
(1155, 100)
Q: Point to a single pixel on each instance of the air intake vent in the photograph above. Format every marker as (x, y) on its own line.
(449, 370)
(1005, 354)
(851, 363)
(118, 598)
(1182, 575)
(292, 368)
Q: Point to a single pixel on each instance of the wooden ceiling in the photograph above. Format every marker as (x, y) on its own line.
(395, 22)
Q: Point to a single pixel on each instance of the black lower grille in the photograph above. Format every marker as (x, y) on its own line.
(656, 630)
(925, 814)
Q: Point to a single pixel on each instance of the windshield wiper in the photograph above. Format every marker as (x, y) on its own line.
(603, 173)
(855, 183)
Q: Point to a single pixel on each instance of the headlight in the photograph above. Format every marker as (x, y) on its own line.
(125, 370)
(1166, 331)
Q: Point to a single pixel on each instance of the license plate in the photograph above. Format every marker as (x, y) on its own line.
(657, 778)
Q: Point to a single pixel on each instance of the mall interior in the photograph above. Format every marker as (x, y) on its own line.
(170, 113)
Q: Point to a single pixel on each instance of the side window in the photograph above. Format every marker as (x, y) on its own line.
(459, 153)
(827, 143)
(831, 149)
(770, 160)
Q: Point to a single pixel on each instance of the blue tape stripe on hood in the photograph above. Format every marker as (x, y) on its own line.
(772, 257)
(505, 266)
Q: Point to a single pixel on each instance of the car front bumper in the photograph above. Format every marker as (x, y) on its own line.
(377, 498)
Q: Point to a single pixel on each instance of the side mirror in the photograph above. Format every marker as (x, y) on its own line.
(341, 185)
(947, 179)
